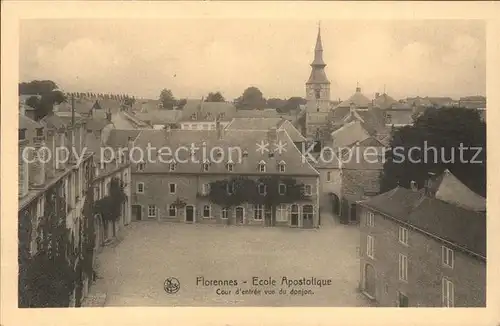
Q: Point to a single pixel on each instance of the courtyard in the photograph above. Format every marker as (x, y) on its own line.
(133, 272)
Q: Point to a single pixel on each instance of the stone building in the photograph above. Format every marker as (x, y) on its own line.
(420, 251)
(177, 191)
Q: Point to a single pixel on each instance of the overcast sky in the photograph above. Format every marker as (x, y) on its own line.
(194, 57)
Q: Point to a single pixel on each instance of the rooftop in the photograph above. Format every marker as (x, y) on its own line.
(463, 228)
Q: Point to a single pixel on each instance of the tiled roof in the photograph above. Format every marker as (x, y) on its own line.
(461, 227)
(159, 117)
(450, 189)
(27, 123)
(119, 137)
(399, 117)
(263, 114)
(253, 123)
(244, 140)
(53, 121)
(95, 124)
(358, 99)
(146, 105)
(373, 121)
(384, 101)
(266, 124)
(349, 134)
(208, 110)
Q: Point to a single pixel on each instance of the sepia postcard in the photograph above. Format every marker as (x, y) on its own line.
(285, 161)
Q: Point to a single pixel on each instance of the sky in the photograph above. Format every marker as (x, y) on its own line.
(194, 57)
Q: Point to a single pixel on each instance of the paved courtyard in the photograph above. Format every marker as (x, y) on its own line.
(134, 271)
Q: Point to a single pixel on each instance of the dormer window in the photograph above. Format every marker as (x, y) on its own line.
(140, 167)
(262, 188)
(245, 154)
(230, 166)
(281, 166)
(262, 166)
(172, 166)
(205, 167)
(271, 154)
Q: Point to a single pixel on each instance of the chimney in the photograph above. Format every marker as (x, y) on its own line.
(358, 89)
(413, 185)
(272, 134)
(220, 129)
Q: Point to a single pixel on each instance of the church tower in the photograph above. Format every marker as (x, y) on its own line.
(318, 85)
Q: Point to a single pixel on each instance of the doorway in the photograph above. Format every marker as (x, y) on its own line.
(335, 204)
(402, 300)
(294, 215)
(307, 216)
(370, 281)
(240, 215)
(137, 212)
(190, 213)
(352, 215)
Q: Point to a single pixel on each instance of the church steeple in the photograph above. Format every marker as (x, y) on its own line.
(318, 75)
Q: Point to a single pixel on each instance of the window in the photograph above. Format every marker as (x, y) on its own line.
(205, 189)
(258, 212)
(205, 167)
(151, 211)
(317, 93)
(403, 267)
(282, 167)
(172, 167)
(225, 213)
(262, 189)
(448, 258)
(230, 189)
(403, 235)
(207, 211)
(307, 190)
(282, 213)
(282, 189)
(370, 219)
(140, 187)
(172, 188)
(245, 154)
(230, 167)
(448, 293)
(370, 244)
(262, 167)
(140, 167)
(328, 176)
(172, 211)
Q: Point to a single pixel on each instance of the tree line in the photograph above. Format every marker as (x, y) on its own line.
(251, 99)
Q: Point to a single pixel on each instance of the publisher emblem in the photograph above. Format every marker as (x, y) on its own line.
(171, 285)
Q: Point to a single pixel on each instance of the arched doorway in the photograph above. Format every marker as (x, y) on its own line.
(369, 280)
(335, 204)
(239, 215)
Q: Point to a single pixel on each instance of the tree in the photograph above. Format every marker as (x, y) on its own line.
(276, 103)
(215, 97)
(180, 103)
(251, 98)
(167, 99)
(434, 143)
(246, 190)
(293, 103)
(49, 93)
(109, 207)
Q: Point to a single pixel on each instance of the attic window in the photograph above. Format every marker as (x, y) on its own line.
(281, 166)
(262, 166)
(245, 154)
(205, 167)
(172, 166)
(140, 167)
(271, 154)
(230, 166)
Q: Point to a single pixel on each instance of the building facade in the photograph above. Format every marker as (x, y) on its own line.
(178, 191)
(418, 251)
